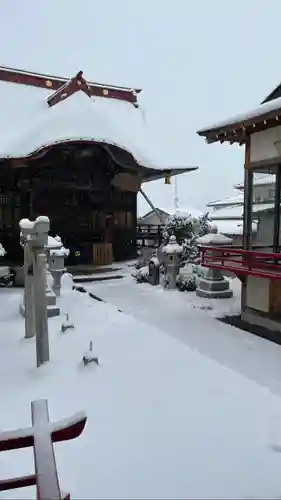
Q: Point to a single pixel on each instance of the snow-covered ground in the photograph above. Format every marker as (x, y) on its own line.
(164, 420)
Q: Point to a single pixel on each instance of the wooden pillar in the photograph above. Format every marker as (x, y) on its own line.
(248, 199)
(276, 227)
(247, 215)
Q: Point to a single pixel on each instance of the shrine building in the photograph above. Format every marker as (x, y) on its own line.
(258, 266)
(73, 150)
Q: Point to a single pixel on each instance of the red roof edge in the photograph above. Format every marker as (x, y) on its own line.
(22, 77)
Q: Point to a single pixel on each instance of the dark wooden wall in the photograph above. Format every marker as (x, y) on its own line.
(72, 186)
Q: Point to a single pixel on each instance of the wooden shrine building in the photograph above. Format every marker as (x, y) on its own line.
(259, 269)
(72, 150)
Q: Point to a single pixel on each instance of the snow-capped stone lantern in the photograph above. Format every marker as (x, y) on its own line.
(172, 252)
(56, 265)
(210, 282)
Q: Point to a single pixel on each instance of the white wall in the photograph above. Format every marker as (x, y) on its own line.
(264, 193)
(263, 144)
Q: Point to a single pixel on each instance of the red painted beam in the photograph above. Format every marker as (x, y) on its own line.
(54, 83)
(41, 437)
(74, 85)
(17, 482)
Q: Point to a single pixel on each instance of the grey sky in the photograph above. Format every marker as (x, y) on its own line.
(197, 62)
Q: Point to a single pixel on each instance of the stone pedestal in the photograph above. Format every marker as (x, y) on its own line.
(211, 283)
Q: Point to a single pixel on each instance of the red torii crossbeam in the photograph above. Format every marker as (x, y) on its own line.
(41, 436)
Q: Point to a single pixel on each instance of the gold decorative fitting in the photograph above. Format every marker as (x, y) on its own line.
(49, 83)
(79, 82)
(105, 91)
(254, 125)
(265, 122)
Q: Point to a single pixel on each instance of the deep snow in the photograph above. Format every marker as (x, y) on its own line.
(164, 420)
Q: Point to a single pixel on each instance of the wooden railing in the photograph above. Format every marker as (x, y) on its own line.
(149, 235)
(41, 436)
(242, 262)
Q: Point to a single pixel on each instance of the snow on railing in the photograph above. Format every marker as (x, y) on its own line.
(41, 436)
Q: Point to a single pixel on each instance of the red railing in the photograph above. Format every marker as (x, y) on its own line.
(41, 436)
(242, 262)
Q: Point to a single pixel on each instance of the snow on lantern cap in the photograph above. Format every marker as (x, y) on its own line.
(214, 239)
(172, 246)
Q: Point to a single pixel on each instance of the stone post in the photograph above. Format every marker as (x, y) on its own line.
(34, 235)
(172, 252)
(154, 271)
(210, 282)
(27, 306)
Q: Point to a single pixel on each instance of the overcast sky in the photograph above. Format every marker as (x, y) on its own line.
(196, 61)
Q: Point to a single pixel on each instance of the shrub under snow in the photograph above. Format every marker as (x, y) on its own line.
(187, 229)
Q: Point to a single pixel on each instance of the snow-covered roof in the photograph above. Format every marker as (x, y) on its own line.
(263, 180)
(261, 111)
(235, 199)
(28, 124)
(236, 211)
(170, 211)
(233, 227)
(230, 212)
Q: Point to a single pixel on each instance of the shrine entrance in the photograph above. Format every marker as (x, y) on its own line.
(72, 185)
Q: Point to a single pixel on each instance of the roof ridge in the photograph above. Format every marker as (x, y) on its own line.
(18, 76)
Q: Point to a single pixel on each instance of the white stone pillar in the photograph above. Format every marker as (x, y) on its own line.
(28, 297)
(40, 302)
(35, 237)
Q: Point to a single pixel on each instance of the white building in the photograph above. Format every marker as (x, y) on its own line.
(228, 212)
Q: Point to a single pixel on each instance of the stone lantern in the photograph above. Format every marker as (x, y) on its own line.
(172, 252)
(210, 282)
(56, 265)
